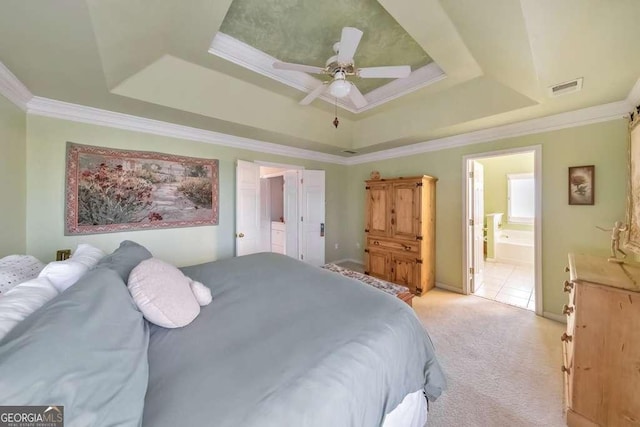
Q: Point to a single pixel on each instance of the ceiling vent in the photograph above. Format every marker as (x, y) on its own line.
(349, 152)
(566, 87)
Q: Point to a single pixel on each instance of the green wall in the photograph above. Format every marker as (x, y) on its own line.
(496, 170)
(564, 228)
(13, 177)
(46, 139)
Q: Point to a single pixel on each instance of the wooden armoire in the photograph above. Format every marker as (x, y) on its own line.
(400, 231)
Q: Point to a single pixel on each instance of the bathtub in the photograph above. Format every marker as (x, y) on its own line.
(514, 246)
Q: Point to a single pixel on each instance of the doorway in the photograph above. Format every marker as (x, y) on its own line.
(280, 208)
(502, 227)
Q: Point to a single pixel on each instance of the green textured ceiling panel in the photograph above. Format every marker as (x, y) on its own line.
(304, 31)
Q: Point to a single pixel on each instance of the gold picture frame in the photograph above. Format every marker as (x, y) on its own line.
(582, 183)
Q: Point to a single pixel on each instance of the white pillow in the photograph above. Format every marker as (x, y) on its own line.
(63, 274)
(163, 294)
(15, 269)
(201, 292)
(22, 300)
(87, 255)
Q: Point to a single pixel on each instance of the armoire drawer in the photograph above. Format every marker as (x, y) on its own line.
(393, 245)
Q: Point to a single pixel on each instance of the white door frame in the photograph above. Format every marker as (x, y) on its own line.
(537, 175)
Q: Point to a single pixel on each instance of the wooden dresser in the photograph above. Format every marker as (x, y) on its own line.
(400, 231)
(601, 348)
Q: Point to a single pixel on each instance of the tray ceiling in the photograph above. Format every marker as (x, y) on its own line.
(151, 59)
(304, 31)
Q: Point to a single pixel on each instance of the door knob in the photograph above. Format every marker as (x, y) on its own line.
(240, 235)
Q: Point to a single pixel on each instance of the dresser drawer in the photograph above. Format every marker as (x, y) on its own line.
(567, 371)
(393, 245)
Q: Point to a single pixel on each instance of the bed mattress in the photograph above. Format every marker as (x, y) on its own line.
(285, 343)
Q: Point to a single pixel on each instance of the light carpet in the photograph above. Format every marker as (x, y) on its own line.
(502, 363)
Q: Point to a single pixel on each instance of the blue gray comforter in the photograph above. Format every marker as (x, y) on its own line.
(287, 344)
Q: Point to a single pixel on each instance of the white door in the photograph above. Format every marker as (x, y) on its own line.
(247, 208)
(265, 215)
(291, 215)
(312, 217)
(477, 224)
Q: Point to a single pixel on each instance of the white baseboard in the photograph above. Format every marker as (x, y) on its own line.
(557, 317)
(449, 288)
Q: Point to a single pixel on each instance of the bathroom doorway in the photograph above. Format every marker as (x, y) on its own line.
(502, 223)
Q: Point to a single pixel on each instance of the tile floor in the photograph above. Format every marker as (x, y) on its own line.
(509, 284)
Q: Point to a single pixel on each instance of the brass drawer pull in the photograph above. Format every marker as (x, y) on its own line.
(406, 247)
(568, 286)
(375, 242)
(567, 309)
(565, 369)
(566, 338)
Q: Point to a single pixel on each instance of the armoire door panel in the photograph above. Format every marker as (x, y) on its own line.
(378, 210)
(405, 211)
(405, 271)
(378, 264)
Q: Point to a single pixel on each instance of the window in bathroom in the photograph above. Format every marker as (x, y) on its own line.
(521, 198)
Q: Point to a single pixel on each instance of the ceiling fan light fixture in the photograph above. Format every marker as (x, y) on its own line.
(340, 88)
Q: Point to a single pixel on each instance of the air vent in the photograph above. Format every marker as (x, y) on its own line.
(566, 87)
(349, 152)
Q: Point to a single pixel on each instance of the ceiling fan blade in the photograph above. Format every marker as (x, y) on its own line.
(297, 67)
(357, 98)
(392, 72)
(348, 44)
(313, 95)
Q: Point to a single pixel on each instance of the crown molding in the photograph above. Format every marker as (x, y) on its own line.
(79, 113)
(585, 116)
(422, 77)
(13, 89)
(20, 95)
(634, 95)
(240, 53)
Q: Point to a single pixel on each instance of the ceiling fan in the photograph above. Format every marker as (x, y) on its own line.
(340, 66)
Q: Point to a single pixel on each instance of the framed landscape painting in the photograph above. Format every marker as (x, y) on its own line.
(582, 185)
(109, 190)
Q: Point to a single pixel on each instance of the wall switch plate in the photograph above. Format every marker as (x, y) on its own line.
(358, 245)
(336, 246)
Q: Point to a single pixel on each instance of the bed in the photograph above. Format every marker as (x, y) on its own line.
(283, 343)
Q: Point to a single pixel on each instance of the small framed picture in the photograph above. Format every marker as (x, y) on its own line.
(582, 180)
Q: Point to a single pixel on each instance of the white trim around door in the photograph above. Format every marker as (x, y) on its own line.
(537, 173)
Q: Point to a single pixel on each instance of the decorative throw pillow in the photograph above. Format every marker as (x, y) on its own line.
(22, 300)
(163, 294)
(125, 258)
(87, 255)
(15, 269)
(63, 274)
(201, 292)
